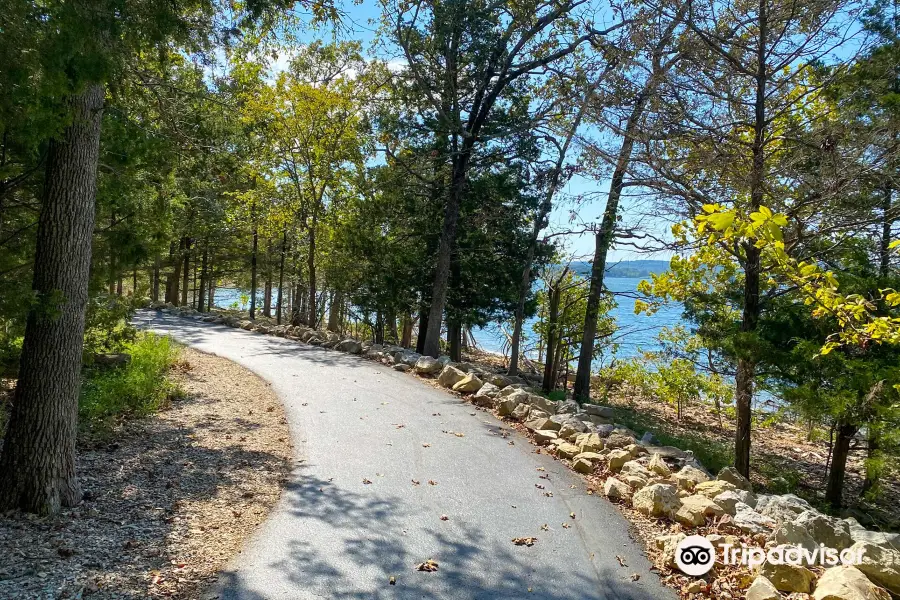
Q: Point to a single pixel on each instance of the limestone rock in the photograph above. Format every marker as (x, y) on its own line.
(539, 423)
(668, 545)
(657, 500)
(688, 477)
(468, 385)
(566, 407)
(832, 532)
(728, 501)
(695, 509)
(487, 396)
(542, 403)
(618, 440)
(749, 521)
(711, 489)
(762, 589)
(567, 450)
(501, 381)
(617, 459)
(880, 563)
(635, 482)
(582, 465)
(544, 436)
(633, 467)
(520, 413)
(505, 408)
(616, 490)
(732, 476)
(846, 582)
(589, 442)
(450, 376)
(427, 365)
(568, 432)
(590, 456)
(402, 367)
(782, 508)
(604, 412)
(788, 578)
(659, 466)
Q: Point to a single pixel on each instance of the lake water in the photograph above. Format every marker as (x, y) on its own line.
(635, 332)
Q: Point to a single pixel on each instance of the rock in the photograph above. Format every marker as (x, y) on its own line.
(762, 589)
(788, 578)
(633, 467)
(695, 509)
(511, 390)
(427, 365)
(688, 477)
(648, 439)
(694, 587)
(832, 532)
(596, 410)
(635, 482)
(583, 466)
(749, 521)
(539, 423)
(860, 534)
(112, 360)
(728, 501)
(569, 420)
(506, 407)
(657, 500)
(589, 442)
(567, 450)
(566, 407)
(487, 396)
(501, 381)
(618, 440)
(402, 367)
(589, 456)
(746, 497)
(671, 452)
(350, 345)
(782, 508)
(444, 360)
(568, 432)
(846, 582)
(450, 376)
(711, 489)
(658, 465)
(617, 459)
(544, 436)
(732, 476)
(468, 385)
(668, 545)
(635, 450)
(604, 430)
(520, 413)
(616, 490)
(542, 403)
(880, 563)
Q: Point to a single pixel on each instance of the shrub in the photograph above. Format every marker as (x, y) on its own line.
(136, 389)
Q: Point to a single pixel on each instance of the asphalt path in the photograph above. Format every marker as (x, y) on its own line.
(426, 454)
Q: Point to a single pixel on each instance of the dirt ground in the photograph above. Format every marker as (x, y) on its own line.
(167, 504)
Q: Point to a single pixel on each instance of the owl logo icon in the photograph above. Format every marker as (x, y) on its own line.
(695, 555)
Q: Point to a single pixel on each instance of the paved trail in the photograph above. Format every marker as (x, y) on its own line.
(332, 536)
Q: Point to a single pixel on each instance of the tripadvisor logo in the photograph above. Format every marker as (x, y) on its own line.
(695, 556)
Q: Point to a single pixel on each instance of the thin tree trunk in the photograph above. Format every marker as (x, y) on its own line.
(204, 278)
(835, 487)
(211, 283)
(155, 293)
(37, 462)
(454, 332)
(334, 312)
(423, 326)
(311, 259)
(432, 346)
(186, 272)
(267, 298)
(406, 339)
(279, 308)
(552, 318)
(253, 261)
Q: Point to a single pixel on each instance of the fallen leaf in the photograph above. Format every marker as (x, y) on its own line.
(415, 482)
(432, 482)
(538, 486)
(445, 518)
(524, 541)
(566, 526)
(621, 561)
(635, 576)
(545, 527)
(429, 565)
(571, 515)
(548, 494)
(541, 469)
(367, 481)
(459, 434)
(426, 445)
(392, 580)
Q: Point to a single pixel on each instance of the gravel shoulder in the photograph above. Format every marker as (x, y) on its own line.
(170, 501)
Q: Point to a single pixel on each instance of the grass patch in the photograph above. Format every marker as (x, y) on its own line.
(137, 389)
(712, 454)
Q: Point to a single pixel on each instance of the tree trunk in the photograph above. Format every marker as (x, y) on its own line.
(154, 294)
(279, 307)
(840, 451)
(211, 284)
(204, 278)
(175, 281)
(379, 328)
(311, 265)
(423, 327)
(432, 345)
(552, 319)
(334, 312)
(37, 462)
(884, 263)
(454, 332)
(253, 253)
(873, 469)
(186, 271)
(267, 298)
(406, 339)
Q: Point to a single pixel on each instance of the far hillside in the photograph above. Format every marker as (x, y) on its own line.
(625, 268)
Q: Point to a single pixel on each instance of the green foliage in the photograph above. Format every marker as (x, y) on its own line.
(107, 325)
(133, 390)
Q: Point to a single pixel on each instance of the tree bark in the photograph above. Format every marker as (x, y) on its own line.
(186, 271)
(432, 345)
(267, 298)
(423, 326)
(154, 295)
(204, 278)
(406, 339)
(552, 320)
(279, 307)
(37, 462)
(334, 312)
(840, 451)
(454, 333)
(253, 254)
(311, 260)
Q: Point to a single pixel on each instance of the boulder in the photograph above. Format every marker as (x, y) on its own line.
(567, 450)
(658, 465)
(732, 476)
(619, 440)
(501, 381)
(487, 396)
(711, 489)
(411, 358)
(616, 490)
(567, 432)
(569, 420)
(790, 533)
(636, 450)
(880, 563)
(427, 365)
(351, 346)
(450, 376)
(749, 521)
(695, 509)
(860, 534)
(373, 351)
(520, 413)
(782, 508)
(648, 439)
(590, 456)
(583, 466)
(604, 412)
(566, 407)
(688, 477)
(834, 533)
(657, 500)
(846, 582)
(539, 423)
(589, 442)
(444, 360)
(544, 436)
(617, 459)
(668, 546)
(788, 578)
(762, 589)
(402, 367)
(468, 385)
(542, 403)
(728, 501)
(671, 452)
(635, 482)
(505, 408)
(633, 467)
